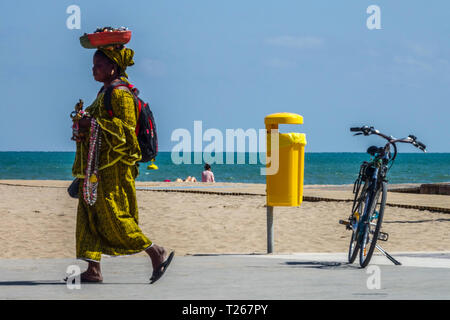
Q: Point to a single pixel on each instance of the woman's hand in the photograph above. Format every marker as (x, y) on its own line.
(84, 123)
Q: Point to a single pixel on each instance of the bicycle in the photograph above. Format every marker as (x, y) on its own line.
(370, 200)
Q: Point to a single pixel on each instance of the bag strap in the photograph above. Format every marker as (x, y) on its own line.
(137, 102)
(108, 93)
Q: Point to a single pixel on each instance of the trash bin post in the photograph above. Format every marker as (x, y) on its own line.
(269, 229)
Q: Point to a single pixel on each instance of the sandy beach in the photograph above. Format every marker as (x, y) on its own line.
(38, 219)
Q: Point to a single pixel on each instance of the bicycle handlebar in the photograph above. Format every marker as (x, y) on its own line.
(361, 129)
(366, 130)
(421, 145)
(416, 143)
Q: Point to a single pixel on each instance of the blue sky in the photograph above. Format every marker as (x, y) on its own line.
(231, 63)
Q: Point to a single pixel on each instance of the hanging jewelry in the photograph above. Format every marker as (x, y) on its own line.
(91, 175)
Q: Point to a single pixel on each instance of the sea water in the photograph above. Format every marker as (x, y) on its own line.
(320, 168)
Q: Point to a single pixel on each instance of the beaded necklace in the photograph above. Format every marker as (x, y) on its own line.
(91, 174)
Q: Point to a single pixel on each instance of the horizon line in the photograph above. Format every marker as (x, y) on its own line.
(162, 151)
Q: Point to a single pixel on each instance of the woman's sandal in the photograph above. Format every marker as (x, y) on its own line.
(158, 273)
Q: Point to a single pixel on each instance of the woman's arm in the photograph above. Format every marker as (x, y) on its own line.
(119, 130)
(123, 105)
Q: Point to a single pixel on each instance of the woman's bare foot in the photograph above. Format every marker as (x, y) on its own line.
(160, 261)
(157, 255)
(92, 274)
(87, 276)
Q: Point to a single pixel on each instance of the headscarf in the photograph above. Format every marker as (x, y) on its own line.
(122, 57)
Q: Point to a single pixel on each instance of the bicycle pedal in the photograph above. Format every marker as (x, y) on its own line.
(346, 224)
(383, 236)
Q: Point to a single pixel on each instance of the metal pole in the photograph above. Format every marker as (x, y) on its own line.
(269, 229)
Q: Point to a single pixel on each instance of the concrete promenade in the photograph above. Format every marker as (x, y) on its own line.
(236, 277)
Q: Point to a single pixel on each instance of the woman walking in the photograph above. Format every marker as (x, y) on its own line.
(106, 163)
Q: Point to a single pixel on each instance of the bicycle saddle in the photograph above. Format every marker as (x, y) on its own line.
(372, 150)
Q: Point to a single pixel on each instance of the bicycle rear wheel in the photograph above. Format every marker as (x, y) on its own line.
(372, 225)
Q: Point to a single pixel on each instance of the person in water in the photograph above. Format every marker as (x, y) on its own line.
(110, 225)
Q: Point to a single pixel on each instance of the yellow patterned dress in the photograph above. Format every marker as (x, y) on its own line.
(110, 226)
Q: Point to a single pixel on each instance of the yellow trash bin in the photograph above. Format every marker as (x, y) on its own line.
(285, 187)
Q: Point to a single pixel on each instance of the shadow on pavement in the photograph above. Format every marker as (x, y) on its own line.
(32, 283)
(56, 282)
(321, 264)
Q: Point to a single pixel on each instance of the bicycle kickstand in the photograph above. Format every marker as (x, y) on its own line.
(397, 263)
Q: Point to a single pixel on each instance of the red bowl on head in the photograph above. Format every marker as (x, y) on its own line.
(105, 38)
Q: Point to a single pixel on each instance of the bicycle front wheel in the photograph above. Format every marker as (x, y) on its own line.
(354, 246)
(372, 225)
(357, 211)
